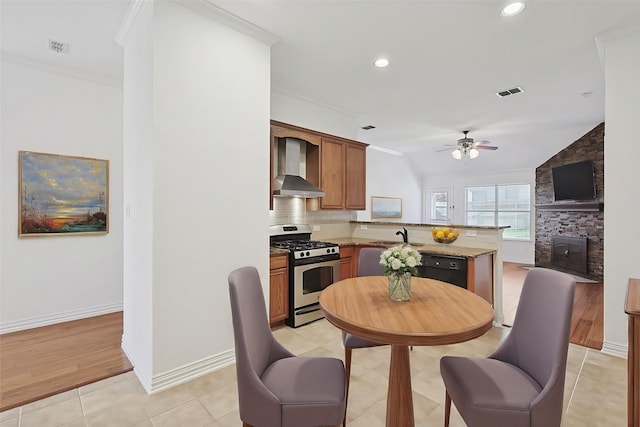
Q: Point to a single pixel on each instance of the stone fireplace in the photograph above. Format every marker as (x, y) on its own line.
(574, 227)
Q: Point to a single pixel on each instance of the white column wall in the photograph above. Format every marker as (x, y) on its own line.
(198, 128)
(137, 340)
(211, 168)
(622, 175)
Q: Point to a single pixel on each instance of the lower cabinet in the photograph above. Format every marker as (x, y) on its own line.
(278, 289)
(347, 262)
(480, 276)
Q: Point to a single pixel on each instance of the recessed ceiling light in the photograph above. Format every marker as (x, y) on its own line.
(512, 9)
(381, 62)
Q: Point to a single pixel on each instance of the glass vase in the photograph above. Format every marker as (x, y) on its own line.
(400, 286)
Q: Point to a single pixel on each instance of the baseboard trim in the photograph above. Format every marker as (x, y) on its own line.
(615, 349)
(191, 371)
(36, 322)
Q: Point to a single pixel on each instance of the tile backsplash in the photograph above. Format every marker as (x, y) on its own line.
(292, 210)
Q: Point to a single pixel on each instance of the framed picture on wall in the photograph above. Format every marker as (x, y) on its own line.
(386, 207)
(62, 195)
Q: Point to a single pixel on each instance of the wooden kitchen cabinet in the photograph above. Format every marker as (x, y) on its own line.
(332, 178)
(343, 174)
(347, 262)
(480, 276)
(278, 289)
(337, 165)
(355, 177)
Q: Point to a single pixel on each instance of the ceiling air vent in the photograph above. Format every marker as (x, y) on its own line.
(58, 47)
(368, 127)
(508, 92)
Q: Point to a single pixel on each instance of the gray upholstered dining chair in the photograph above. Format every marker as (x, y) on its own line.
(368, 265)
(275, 387)
(522, 383)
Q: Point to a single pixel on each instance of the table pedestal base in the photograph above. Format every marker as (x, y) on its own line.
(400, 398)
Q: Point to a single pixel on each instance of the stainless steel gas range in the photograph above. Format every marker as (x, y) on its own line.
(313, 266)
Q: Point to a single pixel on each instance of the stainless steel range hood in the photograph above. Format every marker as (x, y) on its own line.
(290, 181)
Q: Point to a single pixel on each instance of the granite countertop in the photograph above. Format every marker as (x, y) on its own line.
(277, 252)
(427, 248)
(412, 224)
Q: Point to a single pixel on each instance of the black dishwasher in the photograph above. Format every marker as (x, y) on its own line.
(450, 269)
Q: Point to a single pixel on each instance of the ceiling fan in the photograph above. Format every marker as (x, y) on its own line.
(468, 147)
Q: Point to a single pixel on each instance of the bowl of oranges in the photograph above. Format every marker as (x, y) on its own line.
(445, 234)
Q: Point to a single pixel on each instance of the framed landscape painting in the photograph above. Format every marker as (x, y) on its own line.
(62, 195)
(386, 207)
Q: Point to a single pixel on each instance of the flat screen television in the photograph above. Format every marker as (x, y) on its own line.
(574, 181)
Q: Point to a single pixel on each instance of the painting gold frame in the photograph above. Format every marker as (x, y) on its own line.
(62, 195)
(386, 207)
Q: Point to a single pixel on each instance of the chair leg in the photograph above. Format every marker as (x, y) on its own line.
(347, 364)
(447, 408)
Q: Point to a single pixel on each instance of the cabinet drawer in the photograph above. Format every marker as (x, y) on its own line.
(277, 262)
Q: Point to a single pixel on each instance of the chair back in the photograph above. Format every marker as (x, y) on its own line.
(539, 340)
(255, 347)
(369, 262)
(250, 322)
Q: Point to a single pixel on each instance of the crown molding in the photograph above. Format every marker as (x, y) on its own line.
(310, 100)
(221, 16)
(136, 8)
(612, 35)
(76, 73)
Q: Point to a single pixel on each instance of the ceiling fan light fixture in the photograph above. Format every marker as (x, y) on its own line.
(456, 154)
(473, 153)
(512, 9)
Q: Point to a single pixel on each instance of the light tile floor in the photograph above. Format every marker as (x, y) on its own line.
(595, 390)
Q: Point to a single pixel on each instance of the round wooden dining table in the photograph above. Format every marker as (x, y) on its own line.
(438, 313)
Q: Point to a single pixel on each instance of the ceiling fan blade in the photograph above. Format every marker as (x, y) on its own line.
(486, 147)
(445, 149)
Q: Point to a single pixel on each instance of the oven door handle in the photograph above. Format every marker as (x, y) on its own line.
(307, 310)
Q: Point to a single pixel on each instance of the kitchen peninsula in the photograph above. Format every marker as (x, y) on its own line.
(480, 245)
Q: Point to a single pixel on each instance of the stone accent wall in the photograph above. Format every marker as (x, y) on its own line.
(572, 223)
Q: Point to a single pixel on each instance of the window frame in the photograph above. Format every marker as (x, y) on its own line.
(496, 211)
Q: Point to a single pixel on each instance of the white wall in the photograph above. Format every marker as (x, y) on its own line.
(513, 251)
(310, 115)
(389, 175)
(52, 279)
(137, 339)
(210, 160)
(622, 204)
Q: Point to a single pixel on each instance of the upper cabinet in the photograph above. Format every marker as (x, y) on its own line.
(332, 177)
(343, 173)
(337, 165)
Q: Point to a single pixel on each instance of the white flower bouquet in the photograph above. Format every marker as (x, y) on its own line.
(400, 259)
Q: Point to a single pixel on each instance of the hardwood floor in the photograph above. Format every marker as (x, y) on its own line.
(40, 362)
(587, 322)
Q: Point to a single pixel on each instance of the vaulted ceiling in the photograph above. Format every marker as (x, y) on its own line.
(447, 61)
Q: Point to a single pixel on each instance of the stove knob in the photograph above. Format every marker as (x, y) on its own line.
(328, 250)
(301, 254)
(308, 253)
